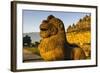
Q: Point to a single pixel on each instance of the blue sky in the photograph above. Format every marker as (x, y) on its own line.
(32, 18)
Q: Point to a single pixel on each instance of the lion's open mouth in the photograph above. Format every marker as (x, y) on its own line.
(43, 29)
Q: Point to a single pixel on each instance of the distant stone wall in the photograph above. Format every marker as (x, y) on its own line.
(80, 34)
(82, 25)
(82, 39)
(79, 38)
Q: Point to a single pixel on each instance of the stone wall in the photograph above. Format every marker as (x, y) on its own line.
(80, 34)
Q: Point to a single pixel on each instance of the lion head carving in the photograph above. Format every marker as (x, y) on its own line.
(53, 45)
(51, 26)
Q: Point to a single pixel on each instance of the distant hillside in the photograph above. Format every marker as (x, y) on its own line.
(34, 36)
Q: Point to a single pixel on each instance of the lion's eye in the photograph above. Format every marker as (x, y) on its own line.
(61, 26)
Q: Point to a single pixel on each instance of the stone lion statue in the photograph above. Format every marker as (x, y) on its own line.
(54, 45)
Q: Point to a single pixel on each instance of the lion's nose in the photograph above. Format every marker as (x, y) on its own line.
(44, 24)
(45, 21)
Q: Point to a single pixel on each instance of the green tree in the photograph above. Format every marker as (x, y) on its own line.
(27, 41)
